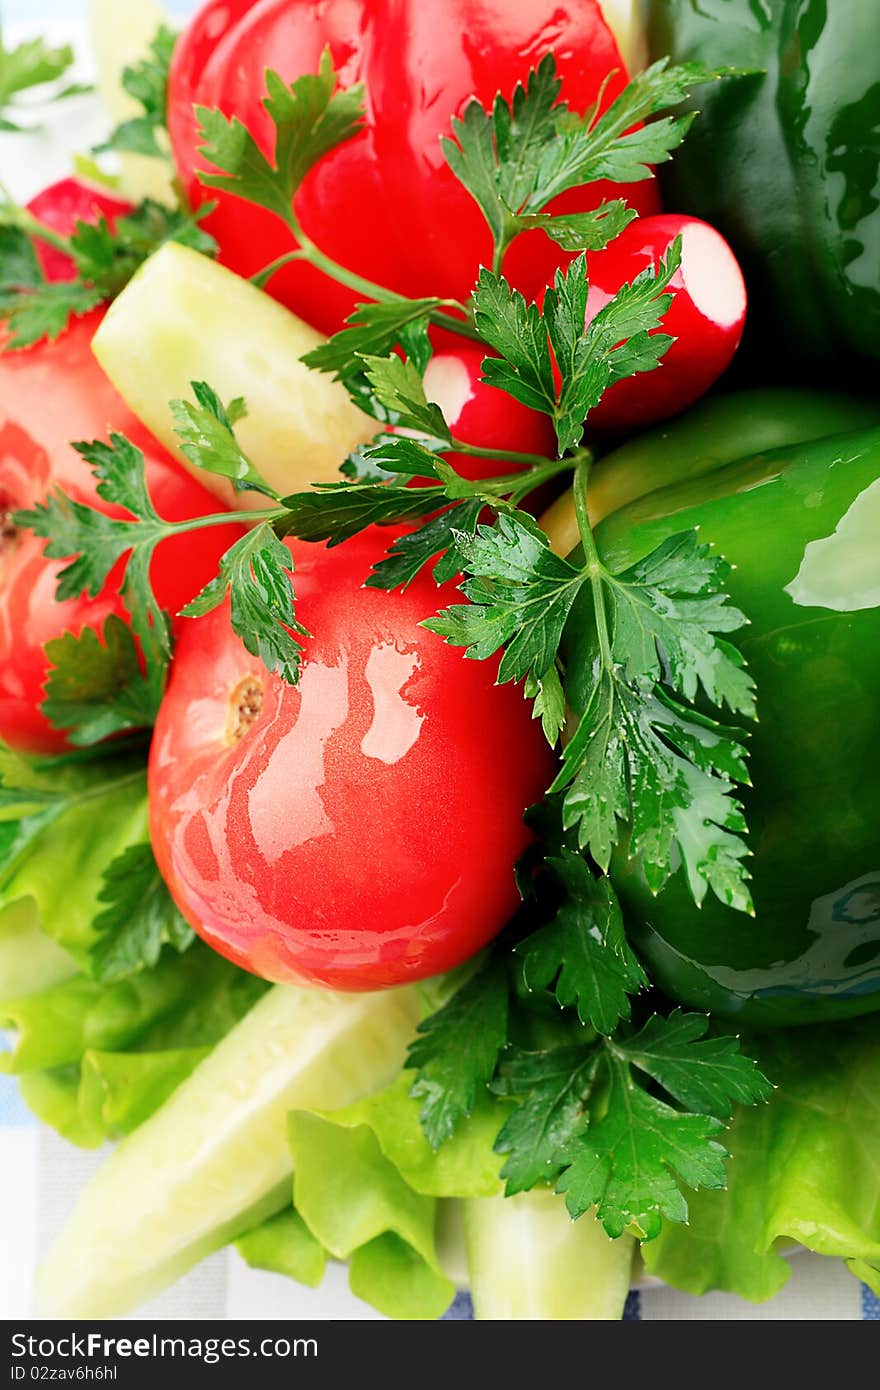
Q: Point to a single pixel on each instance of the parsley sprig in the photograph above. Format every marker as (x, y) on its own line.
(617, 1116)
(515, 159)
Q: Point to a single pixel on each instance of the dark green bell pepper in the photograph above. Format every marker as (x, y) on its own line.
(787, 165)
(800, 523)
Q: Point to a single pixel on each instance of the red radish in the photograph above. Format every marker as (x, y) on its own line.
(480, 414)
(61, 206)
(706, 317)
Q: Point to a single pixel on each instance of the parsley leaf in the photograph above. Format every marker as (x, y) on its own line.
(147, 83)
(667, 610)
(496, 154)
(583, 952)
(206, 431)
(256, 572)
(95, 686)
(374, 331)
(515, 159)
(398, 387)
(310, 117)
(98, 542)
(704, 1074)
(619, 342)
(457, 1050)
(31, 64)
(548, 698)
(335, 512)
(639, 755)
(554, 1089)
(408, 555)
(627, 1162)
(585, 1121)
(520, 595)
(138, 920)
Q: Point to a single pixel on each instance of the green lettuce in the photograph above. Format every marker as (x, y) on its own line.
(805, 1168)
(367, 1189)
(285, 1245)
(61, 826)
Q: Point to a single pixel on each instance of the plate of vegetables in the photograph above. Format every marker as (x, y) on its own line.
(440, 472)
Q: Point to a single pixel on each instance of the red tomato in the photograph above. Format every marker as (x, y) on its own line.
(706, 317)
(61, 206)
(359, 830)
(385, 204)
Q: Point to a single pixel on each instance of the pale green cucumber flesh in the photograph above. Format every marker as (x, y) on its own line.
(529, 1261)
(213, 1161)
(184, 318)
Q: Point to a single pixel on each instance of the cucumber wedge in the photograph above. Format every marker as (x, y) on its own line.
(185, 318)
(529, 1261)
(214, 1161)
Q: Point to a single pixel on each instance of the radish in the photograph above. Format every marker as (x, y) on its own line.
(706, 317)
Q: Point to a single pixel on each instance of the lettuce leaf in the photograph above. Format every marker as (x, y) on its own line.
(805, 1168)
(61, 826)
(358, 1206)
(97, 1060)
(285, 1245)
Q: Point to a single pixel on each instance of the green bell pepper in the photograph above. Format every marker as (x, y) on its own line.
(787, 164)
(800, 524)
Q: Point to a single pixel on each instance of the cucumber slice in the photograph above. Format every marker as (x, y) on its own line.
(214, 1161)
(30, 961)
(529, 1261)
(120, 36)
(185, 318)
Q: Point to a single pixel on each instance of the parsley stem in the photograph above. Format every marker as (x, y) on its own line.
(309, 252)
(33, 227)
(199, 523)
(510, 456)
(592, 563)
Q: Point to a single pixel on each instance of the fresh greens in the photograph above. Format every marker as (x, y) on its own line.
(138, 919)
(96, 687)
(619, 342)
(256, 572)
(515, 159)
(310, 116)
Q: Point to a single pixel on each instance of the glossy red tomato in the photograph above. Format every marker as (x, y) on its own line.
(385, 204)
(706, 317)
(357, 831)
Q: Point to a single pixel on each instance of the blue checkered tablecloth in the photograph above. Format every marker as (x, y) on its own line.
(41, 1175)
